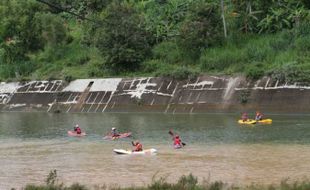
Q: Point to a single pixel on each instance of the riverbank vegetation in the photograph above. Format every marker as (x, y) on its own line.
(61, 39)
(188, 182)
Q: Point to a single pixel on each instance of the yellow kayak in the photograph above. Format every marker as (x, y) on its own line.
(265, 121)
(253, 121)
(249, 121)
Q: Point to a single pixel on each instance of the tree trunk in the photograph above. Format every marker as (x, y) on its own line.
(223, 17)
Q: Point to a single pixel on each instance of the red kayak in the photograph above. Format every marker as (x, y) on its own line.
(74, 134)
(121, 135)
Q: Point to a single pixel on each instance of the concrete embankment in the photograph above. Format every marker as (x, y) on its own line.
(166, 95)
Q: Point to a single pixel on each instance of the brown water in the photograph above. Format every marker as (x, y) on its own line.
(32, 144)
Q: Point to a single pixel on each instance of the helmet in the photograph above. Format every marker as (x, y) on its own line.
(113, 128)
(77, 125)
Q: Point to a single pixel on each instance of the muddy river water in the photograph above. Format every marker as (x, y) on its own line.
(33, 144)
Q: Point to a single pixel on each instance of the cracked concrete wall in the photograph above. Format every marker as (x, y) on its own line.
(165, 95)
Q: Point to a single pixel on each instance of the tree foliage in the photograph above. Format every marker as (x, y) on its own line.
(123, 39)
(17, 23)
(268, 16)
(26, 27)
(125, 35)
(164, 18)
(201, 28)
(282, 15)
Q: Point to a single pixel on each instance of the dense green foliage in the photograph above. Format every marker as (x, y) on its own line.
(48, 39)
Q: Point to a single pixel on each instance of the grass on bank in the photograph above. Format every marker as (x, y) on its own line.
(188, 182)
(284, 55)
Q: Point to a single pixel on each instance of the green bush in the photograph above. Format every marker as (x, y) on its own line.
(254, 72)
(285, 57)
(167, 51)
(303, 29)
(154, 65)
(122, 37)
(160, 184)
(221, 58)
(179, 73)
(282, 41)
(162, 69)
(68, 78)
(187, 182)
(292, 73)
(83, 60)
(7, 71)
(202, 28)
(20, 69)
(303, 45)
(258, 51)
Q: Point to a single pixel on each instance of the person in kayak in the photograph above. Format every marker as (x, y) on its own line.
(244, 117)
(77, 129)
(114, 132)
(258, 116)
(177, 143)
(138, 146)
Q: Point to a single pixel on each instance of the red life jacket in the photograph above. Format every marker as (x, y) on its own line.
(177, 141)
(78, 130)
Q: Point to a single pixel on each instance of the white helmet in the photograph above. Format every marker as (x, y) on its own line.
(113, 128)
(77, 125)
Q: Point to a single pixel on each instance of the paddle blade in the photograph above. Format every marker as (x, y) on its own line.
(183, 143)
(170, 132)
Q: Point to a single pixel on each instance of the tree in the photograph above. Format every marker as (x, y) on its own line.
(164, 18)
(17, 23)
(284, 14)
(79, 7)
(223, 17)
(122, 38)
(201, 29)
(248, 14)
(51, 28)
(268, 15)
(30, 24)
(25, 28)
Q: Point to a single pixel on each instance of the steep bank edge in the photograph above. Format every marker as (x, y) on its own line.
(200, 95)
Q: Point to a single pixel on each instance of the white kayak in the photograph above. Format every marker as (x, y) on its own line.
(147, 151)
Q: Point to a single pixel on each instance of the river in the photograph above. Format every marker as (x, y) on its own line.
(33, 144)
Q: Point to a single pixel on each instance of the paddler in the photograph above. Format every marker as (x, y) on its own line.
(177, 143)
(77, 129)
(114, 133)
(138, 146)
(258, 116)
(244, 117)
